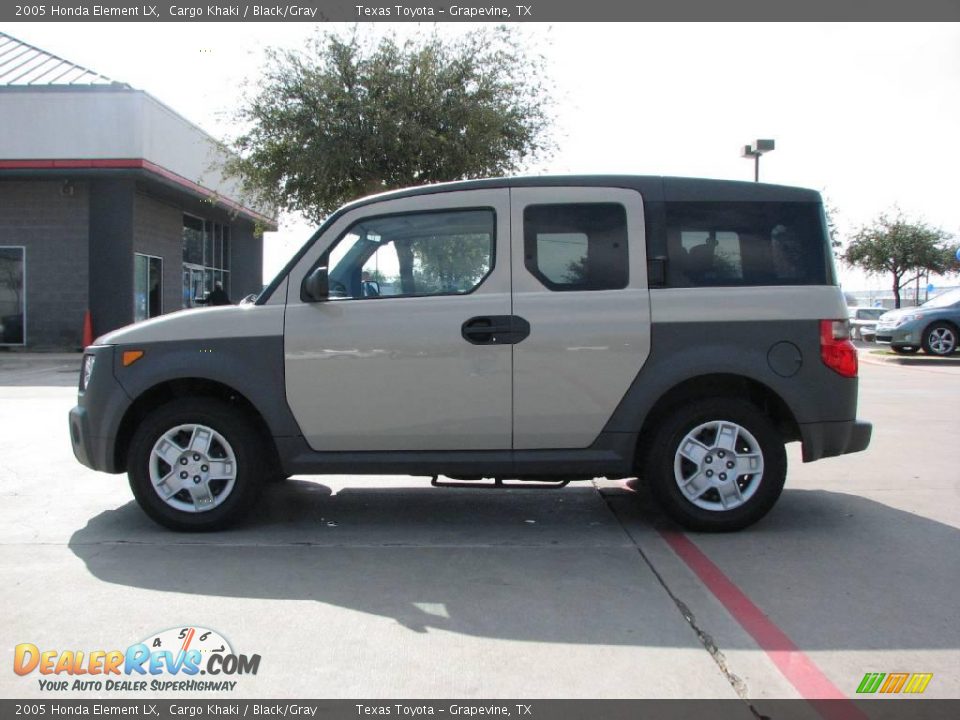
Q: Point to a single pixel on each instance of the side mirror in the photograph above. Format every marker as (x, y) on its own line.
(316, 286)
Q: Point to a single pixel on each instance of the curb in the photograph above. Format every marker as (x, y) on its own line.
(933, 362)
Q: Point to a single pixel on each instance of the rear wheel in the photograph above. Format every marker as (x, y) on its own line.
(716, 465)
(195, 465)
(940, 339)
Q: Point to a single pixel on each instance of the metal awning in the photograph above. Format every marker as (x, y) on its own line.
(22, 64)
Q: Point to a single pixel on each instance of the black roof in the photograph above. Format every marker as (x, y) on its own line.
(652, 187)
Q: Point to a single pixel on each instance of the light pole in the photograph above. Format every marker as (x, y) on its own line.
(755, 151)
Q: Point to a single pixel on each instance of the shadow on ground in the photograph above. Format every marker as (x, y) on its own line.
(836, 571)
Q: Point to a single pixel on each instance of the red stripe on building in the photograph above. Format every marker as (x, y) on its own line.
(133, 164)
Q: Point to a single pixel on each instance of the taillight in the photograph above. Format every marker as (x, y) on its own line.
(836, 350)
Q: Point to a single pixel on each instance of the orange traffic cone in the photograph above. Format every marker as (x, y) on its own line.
(87, 329)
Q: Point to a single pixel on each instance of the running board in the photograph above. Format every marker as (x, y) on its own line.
(497, 484)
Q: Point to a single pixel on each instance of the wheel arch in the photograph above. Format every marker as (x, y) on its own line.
(187, 387)
(718, 385)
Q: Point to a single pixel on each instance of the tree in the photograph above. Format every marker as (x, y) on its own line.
(905, 250)
(830, 212)
(348, 117)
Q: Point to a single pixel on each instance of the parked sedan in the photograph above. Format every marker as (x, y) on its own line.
(934, 326)
(863, 321)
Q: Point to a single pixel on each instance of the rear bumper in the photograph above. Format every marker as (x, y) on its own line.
(829, 439)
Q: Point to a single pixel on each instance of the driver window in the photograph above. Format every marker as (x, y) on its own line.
(432, 253)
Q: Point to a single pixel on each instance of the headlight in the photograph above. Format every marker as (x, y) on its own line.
(86, 371)
(904, 319)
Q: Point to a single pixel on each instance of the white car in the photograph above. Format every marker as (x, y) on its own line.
(863, 322)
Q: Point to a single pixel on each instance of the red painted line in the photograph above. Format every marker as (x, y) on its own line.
(134, 164)
(792, 662)
(186, 642)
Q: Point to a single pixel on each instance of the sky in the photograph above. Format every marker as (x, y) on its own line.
(869, 114)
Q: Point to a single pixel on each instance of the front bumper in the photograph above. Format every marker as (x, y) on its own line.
(81, 438)
(906, 335)
(829, 439)
(95, 421)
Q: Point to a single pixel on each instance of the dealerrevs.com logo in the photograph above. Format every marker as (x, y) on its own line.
(169, 661)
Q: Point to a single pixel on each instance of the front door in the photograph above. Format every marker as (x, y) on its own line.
(580, 281)
(194, 287)
(397, 358)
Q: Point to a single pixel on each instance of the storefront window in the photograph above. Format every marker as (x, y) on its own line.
(206, 259)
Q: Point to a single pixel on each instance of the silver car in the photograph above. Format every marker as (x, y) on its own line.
(863, 322)
(933, 326)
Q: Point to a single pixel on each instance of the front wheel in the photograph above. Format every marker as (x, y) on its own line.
(940, 339)
(716, 465)
(195, 465)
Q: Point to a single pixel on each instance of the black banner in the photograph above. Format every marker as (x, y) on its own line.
(474, 10)
(153, 709)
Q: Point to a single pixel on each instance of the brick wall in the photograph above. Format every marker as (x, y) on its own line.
(158, 231)
(53, 227)
(246, 260)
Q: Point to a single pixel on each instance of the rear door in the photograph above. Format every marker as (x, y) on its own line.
(580, 281)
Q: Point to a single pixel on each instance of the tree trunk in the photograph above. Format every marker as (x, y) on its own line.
(896, 291)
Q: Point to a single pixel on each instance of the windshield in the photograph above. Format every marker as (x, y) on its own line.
(948, 298)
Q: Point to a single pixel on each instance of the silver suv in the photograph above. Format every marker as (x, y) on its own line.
(541, 329)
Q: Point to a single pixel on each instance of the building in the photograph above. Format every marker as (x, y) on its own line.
(110, 202)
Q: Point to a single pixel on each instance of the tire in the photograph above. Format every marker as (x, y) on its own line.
(709, 429)
(940, 339)
(207, 438)
(907, 350)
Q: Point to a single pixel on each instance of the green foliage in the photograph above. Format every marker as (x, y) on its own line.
(447, 266)
(903, 249)
(831, 212)
(348, 117)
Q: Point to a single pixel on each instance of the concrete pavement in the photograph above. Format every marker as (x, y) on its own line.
(384, 587)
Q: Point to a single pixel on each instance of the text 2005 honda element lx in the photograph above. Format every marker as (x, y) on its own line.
(548, 329)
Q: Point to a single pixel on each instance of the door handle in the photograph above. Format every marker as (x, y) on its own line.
(495, 330)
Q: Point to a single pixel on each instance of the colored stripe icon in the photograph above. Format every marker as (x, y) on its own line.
(894, 683)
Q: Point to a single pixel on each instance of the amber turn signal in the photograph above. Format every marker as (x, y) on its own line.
(131, 356)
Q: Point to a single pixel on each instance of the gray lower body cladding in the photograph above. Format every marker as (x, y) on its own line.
(783, 357)
(251, 367)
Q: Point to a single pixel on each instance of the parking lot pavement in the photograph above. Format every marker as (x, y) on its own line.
(385, 587)
(39, 369)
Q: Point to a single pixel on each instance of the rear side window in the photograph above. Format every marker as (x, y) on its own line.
(746, 243)
(576, 246)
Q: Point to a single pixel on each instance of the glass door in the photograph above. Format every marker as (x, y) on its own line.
(147, 287)
(13, 308)
(194, 287)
